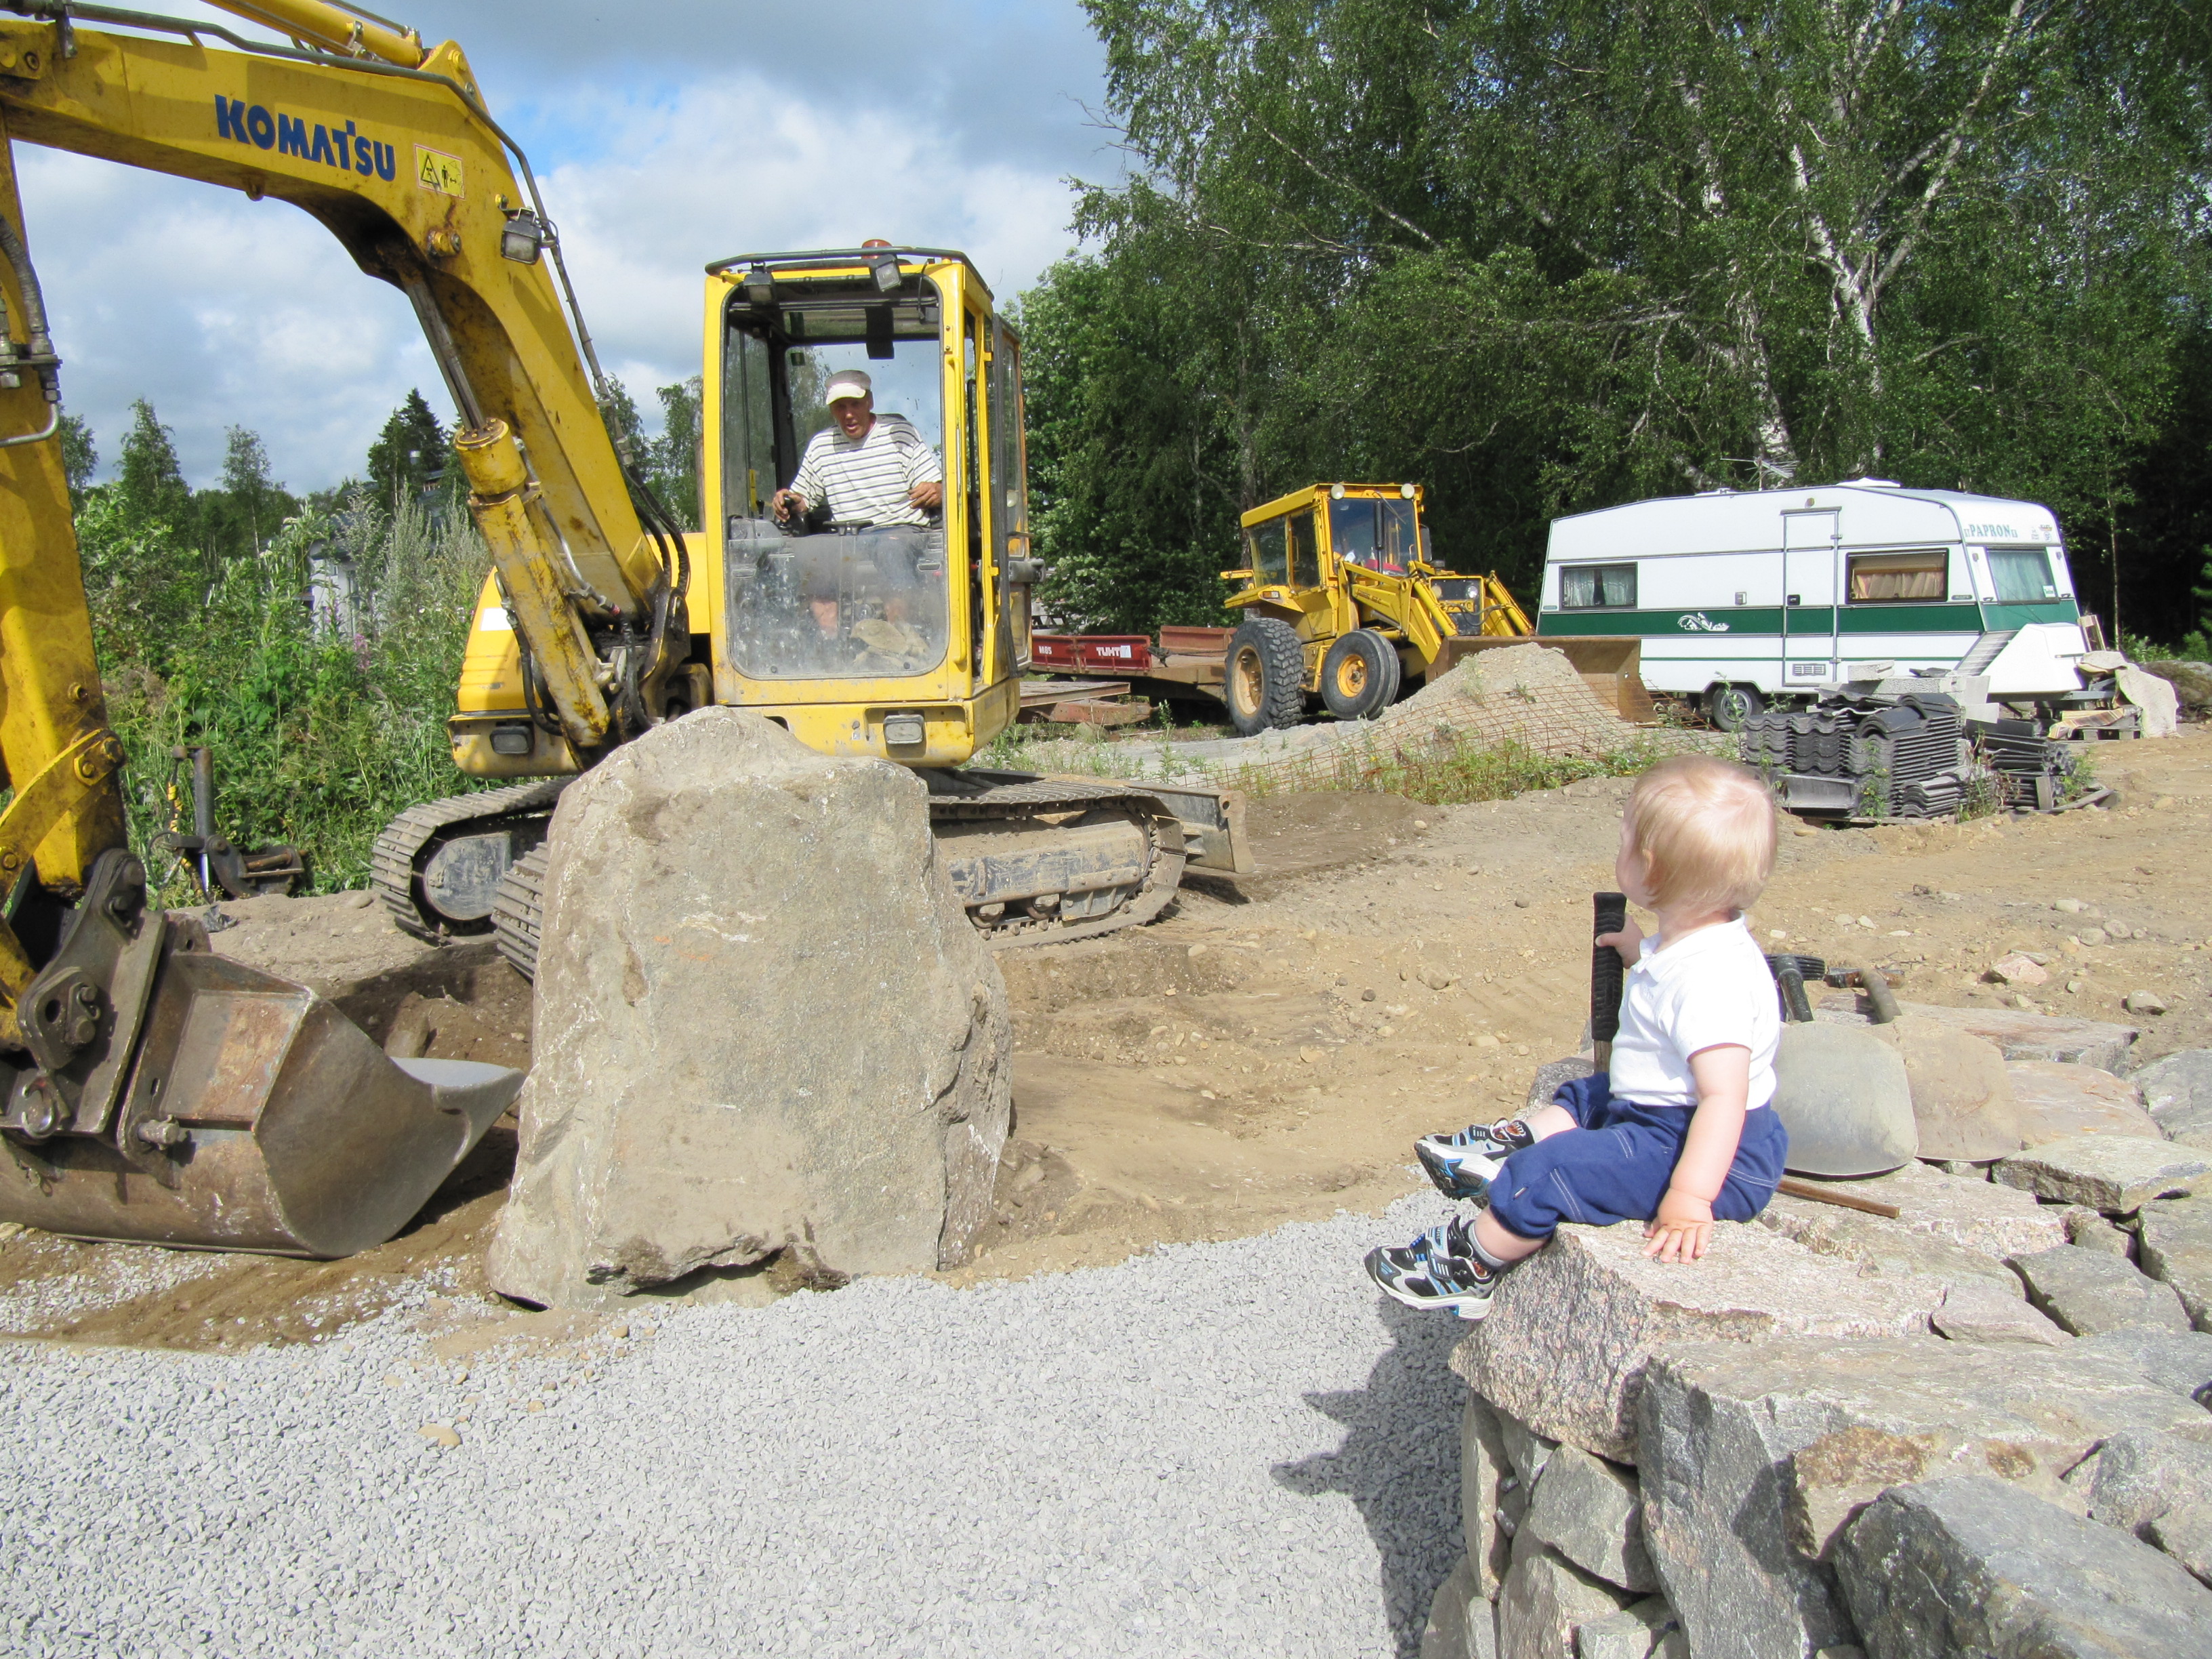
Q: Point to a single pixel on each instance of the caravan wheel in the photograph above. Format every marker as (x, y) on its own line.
(1729, 706)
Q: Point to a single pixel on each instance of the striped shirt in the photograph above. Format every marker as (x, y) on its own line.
(867, 481)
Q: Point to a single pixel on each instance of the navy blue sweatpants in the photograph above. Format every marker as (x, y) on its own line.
(1616, 1167)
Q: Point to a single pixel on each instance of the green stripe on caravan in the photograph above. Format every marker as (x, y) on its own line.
(341, 147)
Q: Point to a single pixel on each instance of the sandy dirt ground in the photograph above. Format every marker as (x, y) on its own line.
(1264, 1051)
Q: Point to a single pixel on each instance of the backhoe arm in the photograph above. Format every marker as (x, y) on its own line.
(388, 145)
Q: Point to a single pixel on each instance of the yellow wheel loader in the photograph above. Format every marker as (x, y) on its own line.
(1342, 602)
(153, 1090)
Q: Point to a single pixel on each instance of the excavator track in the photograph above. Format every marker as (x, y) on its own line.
(1025, 805)
(408, 841)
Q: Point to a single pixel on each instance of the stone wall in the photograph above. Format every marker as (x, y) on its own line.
(1981, 1427)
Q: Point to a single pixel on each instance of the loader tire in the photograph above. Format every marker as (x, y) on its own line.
(1360, 675)
(1265, 681)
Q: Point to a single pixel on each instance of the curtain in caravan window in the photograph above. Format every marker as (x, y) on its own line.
(2021, 574)
(1879, 577)
(1594, 586)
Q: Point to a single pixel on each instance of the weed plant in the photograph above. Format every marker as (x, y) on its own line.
(326, 719)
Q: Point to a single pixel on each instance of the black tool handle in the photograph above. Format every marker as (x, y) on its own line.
(1606, 972)
(1795, 1005)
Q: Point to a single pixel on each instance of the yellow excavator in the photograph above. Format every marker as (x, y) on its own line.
(155, 1090)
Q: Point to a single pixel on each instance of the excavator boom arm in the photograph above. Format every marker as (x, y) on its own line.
(400, 161)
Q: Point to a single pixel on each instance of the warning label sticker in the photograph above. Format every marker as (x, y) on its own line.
(435, 170)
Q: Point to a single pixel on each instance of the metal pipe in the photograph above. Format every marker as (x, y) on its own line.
(333, 28)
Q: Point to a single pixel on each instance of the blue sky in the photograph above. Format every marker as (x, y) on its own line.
(664, 133)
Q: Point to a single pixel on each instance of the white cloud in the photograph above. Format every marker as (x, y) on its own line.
(839, 126)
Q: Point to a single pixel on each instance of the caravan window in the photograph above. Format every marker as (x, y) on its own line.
(1890, 578)
(1597, 587)
(2021, 574)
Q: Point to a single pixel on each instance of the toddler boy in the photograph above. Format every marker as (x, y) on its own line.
(1682, 1131)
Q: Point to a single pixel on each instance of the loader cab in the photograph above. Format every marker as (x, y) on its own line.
(903, 639)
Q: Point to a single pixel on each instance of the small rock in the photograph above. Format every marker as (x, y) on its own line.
(1544, 1598)
(2176, 1247)
(1586, 1509)
(2092, 1232)
(1628, 1634)
(1455, 1603)
(2117, 1173)
(1486, 1040)
(1313, 1056)
(2176, 1092)
(2085, 1291)
(359, 901)
(438, 1435)
(1196, 951)
(2092, 937)
(1367, 996)
(2144, 1002)
(2178, 1360)
(2018, 970)
(1525, 1450)
(1970, 1565)
(2140, 1474)
(2071, 906)
(2184, 1533)
(1484, 1473)
(1975, 1310)
(2122, 931)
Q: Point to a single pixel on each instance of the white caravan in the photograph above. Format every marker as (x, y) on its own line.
(1743, 599)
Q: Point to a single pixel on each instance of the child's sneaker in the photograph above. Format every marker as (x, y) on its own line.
(1439, 1269)
(1463, 1165)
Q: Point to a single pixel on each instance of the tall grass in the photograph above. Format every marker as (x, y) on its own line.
(321, 731)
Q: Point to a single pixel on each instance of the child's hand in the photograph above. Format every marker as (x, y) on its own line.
(1629, 941)
(1682, 1229)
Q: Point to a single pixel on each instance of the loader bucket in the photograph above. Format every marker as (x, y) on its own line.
(256, 1117)
(1610, 665)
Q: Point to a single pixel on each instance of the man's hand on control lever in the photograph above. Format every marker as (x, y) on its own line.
(781, 503)
(928, 496)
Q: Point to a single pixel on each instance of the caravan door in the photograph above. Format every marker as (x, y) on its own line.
(1808, 599)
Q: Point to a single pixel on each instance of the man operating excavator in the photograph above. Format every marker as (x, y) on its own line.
(869, 469)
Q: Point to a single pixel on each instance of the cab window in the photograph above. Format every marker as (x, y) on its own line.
(1305, 551)
(1269, 551)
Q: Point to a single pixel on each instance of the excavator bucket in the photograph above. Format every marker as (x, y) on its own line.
(245, 1113)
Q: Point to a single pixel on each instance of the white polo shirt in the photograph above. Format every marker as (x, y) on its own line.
(1709, 988)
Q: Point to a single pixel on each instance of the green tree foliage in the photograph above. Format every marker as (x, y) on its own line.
(409, 455)
(1549, 255)
(205, 631)
(672, 459)
(80, 459)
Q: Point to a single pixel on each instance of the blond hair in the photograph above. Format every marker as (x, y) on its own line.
(1706, 829)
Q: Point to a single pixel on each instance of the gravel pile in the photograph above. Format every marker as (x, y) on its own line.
(1211, 1449)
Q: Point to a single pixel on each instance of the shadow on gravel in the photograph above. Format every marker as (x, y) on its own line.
(1399, 1463)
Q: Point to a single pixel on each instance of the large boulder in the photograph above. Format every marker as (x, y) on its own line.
(1962, 1097)
(2115, 1174)
(764, 1023)
(1969, 1566)
(2178, 1093)
(2179, 1360)
(2056, 1101)
(2176, 1247)
(2140, 1474)
(1571, 1329)
(1982, 1216)
(1754, 1457)
(2021, 1034)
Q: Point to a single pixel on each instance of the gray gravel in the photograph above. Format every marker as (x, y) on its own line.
(1235, 1449)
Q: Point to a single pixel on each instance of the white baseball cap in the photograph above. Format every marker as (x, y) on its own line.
(847, 383)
